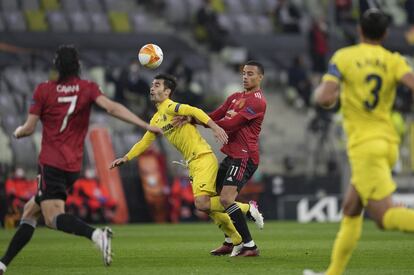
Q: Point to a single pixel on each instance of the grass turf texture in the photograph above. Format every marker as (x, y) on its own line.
(286, 248)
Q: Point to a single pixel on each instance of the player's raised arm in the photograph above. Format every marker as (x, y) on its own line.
(119, 111)
(27, 128)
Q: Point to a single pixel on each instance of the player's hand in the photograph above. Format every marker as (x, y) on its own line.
(179, 121)
(17, 132)
(220, 135)
(155, 130)
(118, 162)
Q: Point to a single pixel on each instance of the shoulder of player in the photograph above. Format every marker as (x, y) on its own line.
(346, 51)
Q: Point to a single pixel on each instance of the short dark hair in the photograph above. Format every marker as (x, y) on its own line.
(256, 64)
(170, 81)
(67, 61)
(374, 24)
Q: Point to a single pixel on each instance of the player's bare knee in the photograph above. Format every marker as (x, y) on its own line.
(226, 201)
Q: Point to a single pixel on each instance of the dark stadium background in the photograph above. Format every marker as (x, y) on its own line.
(303, 161)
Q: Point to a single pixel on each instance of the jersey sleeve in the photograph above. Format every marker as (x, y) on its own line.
(95, 91)
(254, 108)
(186, 110)
(143, 143)
(336, 68)
(221, 111)
(401, 67)
(36, 104)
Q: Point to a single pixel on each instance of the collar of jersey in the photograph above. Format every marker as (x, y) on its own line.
(163, 104)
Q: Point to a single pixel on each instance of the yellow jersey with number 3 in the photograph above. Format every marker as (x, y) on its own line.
(368, 76)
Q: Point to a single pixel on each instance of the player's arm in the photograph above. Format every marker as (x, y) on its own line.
(27, 128)
(408, 80)
(221, 111)
(232, 124)
(119, 111)
(327, 93)
(136, 150)
(216, 115)
(187, 110)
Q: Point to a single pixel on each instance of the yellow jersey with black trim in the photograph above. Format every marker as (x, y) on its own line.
(186, 139)
(368, 76)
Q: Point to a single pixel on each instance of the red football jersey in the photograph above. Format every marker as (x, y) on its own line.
(244, 141)
(64, 110)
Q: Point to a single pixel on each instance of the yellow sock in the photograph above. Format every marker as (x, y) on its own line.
(345, 242)
(215, 205)
(399, 218)
(226, 225)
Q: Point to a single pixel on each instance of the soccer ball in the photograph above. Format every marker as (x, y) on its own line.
(150, 56)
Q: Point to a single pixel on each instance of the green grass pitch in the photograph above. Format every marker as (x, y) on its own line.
(286, 248)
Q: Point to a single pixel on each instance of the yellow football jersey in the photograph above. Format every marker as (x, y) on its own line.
(368, 75)
(186, 139)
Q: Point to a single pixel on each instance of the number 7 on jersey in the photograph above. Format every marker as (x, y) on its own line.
(67, 99)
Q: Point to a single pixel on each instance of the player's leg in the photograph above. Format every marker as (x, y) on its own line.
(380, 206)
(348, 234)
(390, 217)
(238, 173)
(54, 183)
(24, 232)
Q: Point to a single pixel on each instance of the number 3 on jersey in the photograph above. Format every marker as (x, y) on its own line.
(67, 99)
(375, 91)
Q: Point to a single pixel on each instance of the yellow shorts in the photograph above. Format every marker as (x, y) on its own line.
(371, 164)
(203, 172)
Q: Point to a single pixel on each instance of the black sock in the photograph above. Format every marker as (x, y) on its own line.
(22, 236)
(239, 221)
(72, 225)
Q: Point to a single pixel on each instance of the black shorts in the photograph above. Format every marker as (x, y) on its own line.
(234, 172)
(52, 183)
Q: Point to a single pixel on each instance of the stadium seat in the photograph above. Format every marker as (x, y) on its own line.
(71, 6)
(100, 22)
(14, 21)
(50, 5)
(35, 77)
(79, 21)
(141, 22)
(7, 105)
(2, 26)
(9, 5)
(24, 153)
(245, 23)
(17, 79)
(36, 20)
(269, 5)
(30, 5)
(119, 21)
(193, 6)
(93, 6)
(254, 6)
(234, 6)
(176, 12)
(9, 123)
(6, 156)
(57, 21)
(120, 5)
(226, 22)
(263, 24)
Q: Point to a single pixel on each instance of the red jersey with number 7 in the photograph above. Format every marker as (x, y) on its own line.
(64, 109)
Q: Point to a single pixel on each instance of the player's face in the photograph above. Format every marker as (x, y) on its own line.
(251, 78)
(158, 93)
